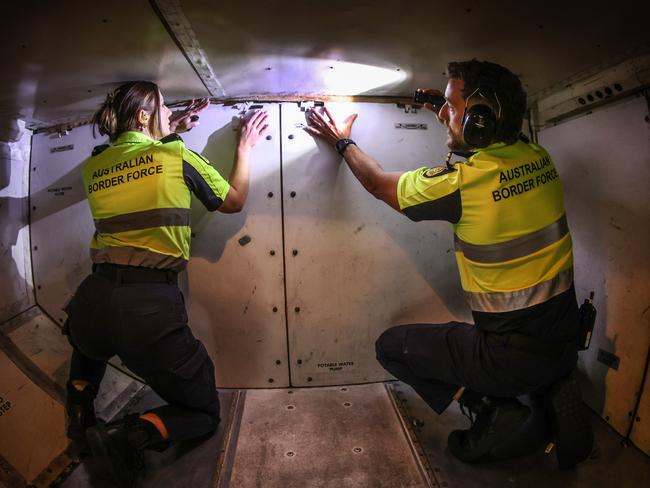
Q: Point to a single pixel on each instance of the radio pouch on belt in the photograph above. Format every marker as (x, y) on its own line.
(587, 319)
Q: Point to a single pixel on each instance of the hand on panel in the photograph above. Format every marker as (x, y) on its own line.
(253, 128)
(323, 125)
(183, 120)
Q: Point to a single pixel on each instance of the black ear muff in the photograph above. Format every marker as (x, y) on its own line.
(479, 125)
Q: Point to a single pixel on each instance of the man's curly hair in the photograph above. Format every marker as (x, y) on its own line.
(494, 79)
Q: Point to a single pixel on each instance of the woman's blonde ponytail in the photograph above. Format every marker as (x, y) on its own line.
(105, 119)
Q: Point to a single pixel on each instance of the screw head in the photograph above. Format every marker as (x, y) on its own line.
(275, 309)
(269, 137)
(299, 361)
(294, 252)
(270, 194)
(292, 194)
(272, 252)
(291, 136)
(309, 378)
(297, 309)
(277, 361)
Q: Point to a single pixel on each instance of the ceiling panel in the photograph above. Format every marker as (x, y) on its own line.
(65, 56)
(61, 57)
(349, 48)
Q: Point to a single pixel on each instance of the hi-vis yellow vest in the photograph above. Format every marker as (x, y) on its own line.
(139, 195)
(512, 241)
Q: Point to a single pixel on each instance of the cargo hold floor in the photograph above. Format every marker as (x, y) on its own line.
(374, 436)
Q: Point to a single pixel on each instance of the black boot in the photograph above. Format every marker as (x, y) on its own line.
(119, 446)
(494, 422)
(574, 438)
(80, 411)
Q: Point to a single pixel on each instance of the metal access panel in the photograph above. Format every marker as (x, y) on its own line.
(354, 266)
(60, 220)
(604, 161)
(235, 285)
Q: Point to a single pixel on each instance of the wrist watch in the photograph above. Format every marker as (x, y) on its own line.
(342, 145)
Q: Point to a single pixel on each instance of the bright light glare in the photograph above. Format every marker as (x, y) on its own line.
(354, 79)
(293, 75)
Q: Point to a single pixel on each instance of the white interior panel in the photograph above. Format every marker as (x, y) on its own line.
(354, 266)
(604, 162)
(232, 289)
(61, 223)
(234, 285)
(16, 294)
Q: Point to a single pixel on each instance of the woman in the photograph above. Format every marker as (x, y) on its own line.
(139, 191)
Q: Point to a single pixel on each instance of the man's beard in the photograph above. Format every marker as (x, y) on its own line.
(456, 143)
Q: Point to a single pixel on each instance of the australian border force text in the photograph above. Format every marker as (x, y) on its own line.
(137, 171)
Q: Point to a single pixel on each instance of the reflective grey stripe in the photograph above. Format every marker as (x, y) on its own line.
(135, 256)
(158, 217)
(516, 248)
(516, 300)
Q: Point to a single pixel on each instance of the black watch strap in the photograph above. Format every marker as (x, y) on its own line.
(342, 145)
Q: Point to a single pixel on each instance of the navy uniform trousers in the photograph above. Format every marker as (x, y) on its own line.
(139, 315)
(437, 359)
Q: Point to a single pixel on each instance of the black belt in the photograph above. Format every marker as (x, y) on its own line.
(527, 343)
(135, 274)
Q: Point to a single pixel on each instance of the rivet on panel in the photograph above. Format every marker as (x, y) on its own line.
(272, 252)
(347, 404)
(35, 248)
(357, 450)
(290, 454)
(294, 252)
(344, 389)
(290, 407)
(277, 361)
(297, 309)
(299, 361)
(292, 194)
(270, 380)
(275, 309)
(291, 136)
(309, 378)
(269, 137)
(270, 194)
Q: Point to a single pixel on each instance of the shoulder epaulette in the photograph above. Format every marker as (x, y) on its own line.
(99, 149)
(171, 138)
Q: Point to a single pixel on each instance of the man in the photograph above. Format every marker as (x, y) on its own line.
(513, 251)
